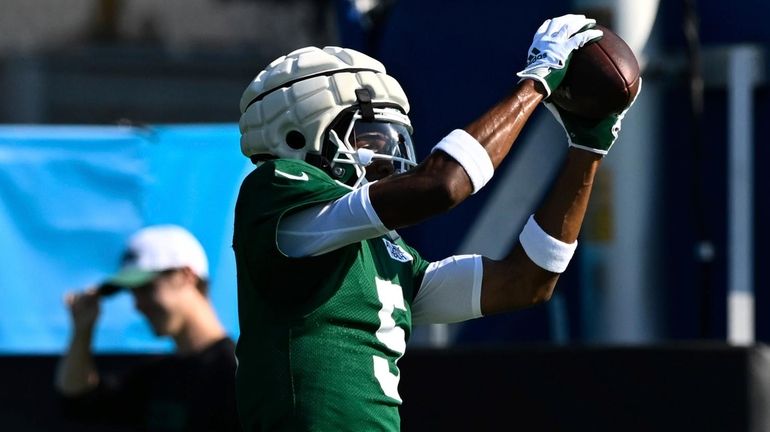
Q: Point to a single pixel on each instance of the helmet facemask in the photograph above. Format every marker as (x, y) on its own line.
(371, 149)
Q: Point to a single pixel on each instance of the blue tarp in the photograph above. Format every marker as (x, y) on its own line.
(69, 198)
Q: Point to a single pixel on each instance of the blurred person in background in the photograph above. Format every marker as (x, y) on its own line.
(327, 290)
(165, 269)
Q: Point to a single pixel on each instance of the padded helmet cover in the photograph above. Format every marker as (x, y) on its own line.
(304, 92)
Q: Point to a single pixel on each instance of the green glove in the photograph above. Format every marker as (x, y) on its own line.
(593, 135)
(552, 48)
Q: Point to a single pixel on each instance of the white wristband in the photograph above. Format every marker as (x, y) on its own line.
(464, 148)
(547, 252)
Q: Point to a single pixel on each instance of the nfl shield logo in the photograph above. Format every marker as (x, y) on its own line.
(396, 252)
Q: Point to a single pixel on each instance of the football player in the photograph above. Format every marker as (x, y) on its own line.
(327, 290)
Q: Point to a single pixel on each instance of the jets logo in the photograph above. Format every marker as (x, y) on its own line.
(396, 252)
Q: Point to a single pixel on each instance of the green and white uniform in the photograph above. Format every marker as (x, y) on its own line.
(319, 336)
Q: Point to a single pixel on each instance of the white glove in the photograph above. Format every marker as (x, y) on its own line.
(552, 48)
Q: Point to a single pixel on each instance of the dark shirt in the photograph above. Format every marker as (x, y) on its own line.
(191, 392)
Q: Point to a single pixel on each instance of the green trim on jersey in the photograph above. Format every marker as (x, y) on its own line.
(319, 336)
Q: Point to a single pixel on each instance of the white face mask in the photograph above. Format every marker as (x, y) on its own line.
(376, 148)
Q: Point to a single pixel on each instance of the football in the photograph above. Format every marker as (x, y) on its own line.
(602, 78)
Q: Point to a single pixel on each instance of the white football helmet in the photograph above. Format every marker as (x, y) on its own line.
(334, 108)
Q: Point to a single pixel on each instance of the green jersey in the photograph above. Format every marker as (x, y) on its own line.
(319, 336)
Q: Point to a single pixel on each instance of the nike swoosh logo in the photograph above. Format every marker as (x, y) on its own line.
(302, 177)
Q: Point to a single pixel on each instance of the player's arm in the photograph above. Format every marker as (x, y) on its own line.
(440, 182)
(436, 185)
(528, 275)
(76, 372)
(464, 287)
(465, 160)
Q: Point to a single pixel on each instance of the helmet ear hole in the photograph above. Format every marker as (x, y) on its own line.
(295, 140)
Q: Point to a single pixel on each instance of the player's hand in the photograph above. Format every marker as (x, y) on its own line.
(552, 48)
(84, 307)
(596, 136)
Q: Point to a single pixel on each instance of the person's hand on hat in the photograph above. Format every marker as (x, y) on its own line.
(84, 307)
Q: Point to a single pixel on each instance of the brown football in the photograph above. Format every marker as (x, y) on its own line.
(602, 78)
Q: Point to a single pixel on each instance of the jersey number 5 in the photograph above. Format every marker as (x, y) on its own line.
(393, 337)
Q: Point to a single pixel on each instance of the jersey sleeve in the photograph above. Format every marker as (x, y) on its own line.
(325, 227)
(267, 194)
(450, 291)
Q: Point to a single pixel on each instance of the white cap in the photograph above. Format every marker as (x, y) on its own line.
(157, 248)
